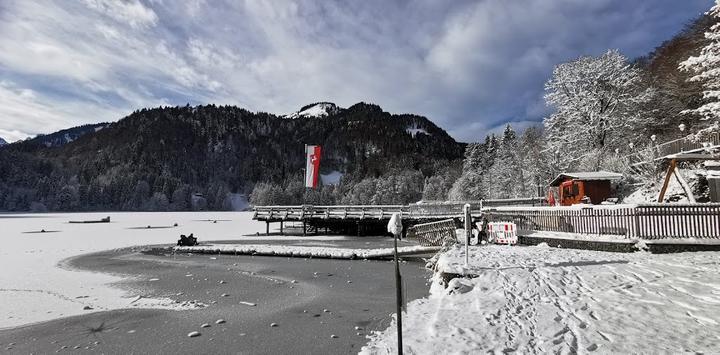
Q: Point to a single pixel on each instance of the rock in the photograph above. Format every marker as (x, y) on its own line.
(273, 324)
(326, 311)
(358, 333)
(358, 328)
(205, 325)
(224, 295)
(220, 321)
(193, 334)
(333, 336)
(293, 281)
(87, 308)
(222, 282)
(247, 303)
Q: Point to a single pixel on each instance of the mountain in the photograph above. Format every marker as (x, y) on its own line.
(65, 136)
(173, 157)
(3, 142)
(319, 109)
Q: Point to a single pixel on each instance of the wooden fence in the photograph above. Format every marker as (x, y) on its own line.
(435, 233)
(647, 221)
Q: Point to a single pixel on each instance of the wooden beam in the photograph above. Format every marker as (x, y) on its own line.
(669, 173)
(694, 157)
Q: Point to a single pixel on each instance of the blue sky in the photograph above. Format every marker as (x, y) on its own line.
(470, 66)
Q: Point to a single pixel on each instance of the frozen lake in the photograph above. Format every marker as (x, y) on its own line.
(34, 287)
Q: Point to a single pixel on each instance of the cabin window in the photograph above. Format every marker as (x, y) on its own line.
(575, 189)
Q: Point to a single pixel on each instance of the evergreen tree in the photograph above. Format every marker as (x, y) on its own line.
(706, 69)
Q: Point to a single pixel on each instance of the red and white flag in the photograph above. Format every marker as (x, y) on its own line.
(312, 166)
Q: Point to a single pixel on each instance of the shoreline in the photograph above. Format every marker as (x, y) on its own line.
(365, 302)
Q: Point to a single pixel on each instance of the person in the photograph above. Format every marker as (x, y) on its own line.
(187, 240)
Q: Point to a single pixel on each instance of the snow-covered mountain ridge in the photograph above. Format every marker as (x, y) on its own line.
(320, 109)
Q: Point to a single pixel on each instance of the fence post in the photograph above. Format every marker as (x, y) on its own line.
(468, 231)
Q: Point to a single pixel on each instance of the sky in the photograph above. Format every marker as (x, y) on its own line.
(469, 66)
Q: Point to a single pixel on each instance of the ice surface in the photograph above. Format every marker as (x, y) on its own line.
(549, 300)
(33, 287)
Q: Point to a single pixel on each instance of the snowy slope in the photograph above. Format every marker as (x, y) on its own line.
(321, 109)
(547, 300)
(3, 142)
(414, 130)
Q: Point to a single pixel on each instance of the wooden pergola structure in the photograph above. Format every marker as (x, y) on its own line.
(681, 157)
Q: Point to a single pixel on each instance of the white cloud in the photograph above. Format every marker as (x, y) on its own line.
(467, 65)
(131, 12)
(32, 115)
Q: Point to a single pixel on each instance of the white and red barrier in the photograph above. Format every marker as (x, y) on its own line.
(502, 233)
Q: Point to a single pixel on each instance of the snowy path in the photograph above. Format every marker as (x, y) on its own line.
(542, 300)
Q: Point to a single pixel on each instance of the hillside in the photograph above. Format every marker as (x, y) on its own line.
(202, 157)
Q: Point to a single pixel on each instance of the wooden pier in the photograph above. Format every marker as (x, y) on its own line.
(373, 218)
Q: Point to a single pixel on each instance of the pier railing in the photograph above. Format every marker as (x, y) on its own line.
(438, 233)
(420, 211)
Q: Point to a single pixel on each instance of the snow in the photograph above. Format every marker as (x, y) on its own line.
(41, 287)
(414, 130)
(302, 251)
(549, 300)
(322, 109)
(649, 194)
(333, 178)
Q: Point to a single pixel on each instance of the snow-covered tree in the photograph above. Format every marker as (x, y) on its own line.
(596, 102)
(706, 69)
(478, 158)
(535, 161)
(505, 178)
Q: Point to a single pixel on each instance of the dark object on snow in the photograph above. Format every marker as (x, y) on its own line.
(103, 220)
(187, 241)
(175, 225)
(42, 231)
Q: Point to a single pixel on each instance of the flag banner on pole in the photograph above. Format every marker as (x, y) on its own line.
(312, 166)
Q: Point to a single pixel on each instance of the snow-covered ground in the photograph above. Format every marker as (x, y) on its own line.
(34, 288)
(548, 300)
(305, 251)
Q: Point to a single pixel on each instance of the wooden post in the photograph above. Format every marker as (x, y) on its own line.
(267, 227)
(669, 173)
(468, 231)
(281, 227)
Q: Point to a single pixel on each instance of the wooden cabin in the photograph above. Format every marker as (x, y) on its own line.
(578, 187)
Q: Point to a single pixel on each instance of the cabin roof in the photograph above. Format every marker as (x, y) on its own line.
(586, 176)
